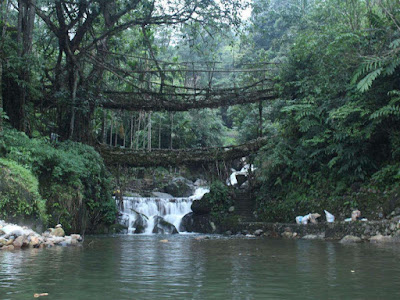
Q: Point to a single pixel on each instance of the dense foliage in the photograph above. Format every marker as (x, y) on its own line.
(336, 128)
(333, 129)
(71, 177)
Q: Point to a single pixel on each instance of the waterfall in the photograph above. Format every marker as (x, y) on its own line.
(145, 210)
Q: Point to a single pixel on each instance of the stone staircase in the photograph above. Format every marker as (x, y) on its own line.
(244, 205)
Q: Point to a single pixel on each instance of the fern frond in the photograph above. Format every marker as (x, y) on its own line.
(366, 83)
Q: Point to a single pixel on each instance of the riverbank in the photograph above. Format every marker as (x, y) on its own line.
(374, 231)
(14, 237)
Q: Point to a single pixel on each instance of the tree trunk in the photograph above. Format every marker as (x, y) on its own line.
(138, 131)
(103, 127)
(111, 130)
(260, 110)
(149, 134)
(159, 133)
(132, 129)
(171, 117)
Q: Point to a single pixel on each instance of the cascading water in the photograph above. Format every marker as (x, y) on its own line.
(144, 211)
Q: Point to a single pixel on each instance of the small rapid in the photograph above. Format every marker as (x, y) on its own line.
(142, 214)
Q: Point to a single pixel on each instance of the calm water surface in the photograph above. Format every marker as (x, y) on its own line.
(141, 267)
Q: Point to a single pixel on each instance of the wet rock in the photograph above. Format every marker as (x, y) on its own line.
(163, 227)
(140, 224)
(77, 237)
(350, 239)
(231, 209)
(2, 232)
(20, 241)
(56, 240)
(10, 241)
(180, 187)
(162, 195)
(250, 236)
(3, 242)
(380, 239)
(228, 232)
(139, 229)
(258, 232)
(196, 223)
(314, 237)
(9, 247)
(289, 235)
(203, 237)
(34, 241)
(200, 207)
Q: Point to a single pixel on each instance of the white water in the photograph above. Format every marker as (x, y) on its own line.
(171, 209)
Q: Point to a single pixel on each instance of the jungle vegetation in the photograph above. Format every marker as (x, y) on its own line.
(330, 69)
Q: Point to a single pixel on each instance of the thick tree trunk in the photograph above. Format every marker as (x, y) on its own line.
(149, 134)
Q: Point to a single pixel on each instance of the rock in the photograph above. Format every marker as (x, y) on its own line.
(250, 235)
(231, 209)
(34, 241)
(228, 232)
(77, 237)
(201, 207)
(380, 239)
(10, 241)
(350, 239)
(19, 241)
(58, 232)
(2, 232)
(163, 241)
(314, 236)
(213, 227)
(180, 187)
(140, 224)
(200, 238)
(9, 247)
(139, 229)
(200, 182)
(162, 195)
(396, 218)
(258, 232)
(56, 240)
(3, 242)
(289, 235)
(241, 178)
(163, 227)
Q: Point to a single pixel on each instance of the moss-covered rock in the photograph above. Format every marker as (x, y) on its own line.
(20, 200)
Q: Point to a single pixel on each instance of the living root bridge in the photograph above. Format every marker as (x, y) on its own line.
(167, 157)
(137, 102)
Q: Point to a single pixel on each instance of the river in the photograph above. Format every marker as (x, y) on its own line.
(142, 267)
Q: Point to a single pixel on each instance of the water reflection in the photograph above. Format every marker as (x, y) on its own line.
(141, 267)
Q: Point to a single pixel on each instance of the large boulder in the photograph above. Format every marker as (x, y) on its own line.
(163, 227)
(180, 187)
(192, 222)
(140, 224)
(350, 239)
(201, 207)
(58, 232)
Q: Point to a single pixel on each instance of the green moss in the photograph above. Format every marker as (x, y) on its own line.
(19, 193)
